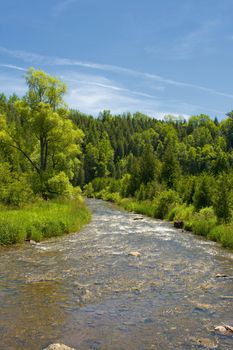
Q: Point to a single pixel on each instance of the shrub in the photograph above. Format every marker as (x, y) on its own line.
(165, 202)
(89, 190)
(60, 185)
(204, 221)
(181, 213)
(222, 234)
(14, 187)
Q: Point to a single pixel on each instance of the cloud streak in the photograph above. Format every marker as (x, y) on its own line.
(11, 66)
(199, 41)
(57, 61)
(94, 93)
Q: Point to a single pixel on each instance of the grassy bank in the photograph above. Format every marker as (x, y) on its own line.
(42, 220)
(168, 207)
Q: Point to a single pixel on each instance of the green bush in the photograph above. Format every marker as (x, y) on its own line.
(89, 190)
(14, 187)
(227, 237)
(181, 213)
(60, 185)
(222, 234)
(165, 202)
(204, 221)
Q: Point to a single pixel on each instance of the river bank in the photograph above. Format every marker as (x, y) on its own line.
(203, 223)
(42, 220)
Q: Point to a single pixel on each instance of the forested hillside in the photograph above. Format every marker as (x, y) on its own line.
(173, 168)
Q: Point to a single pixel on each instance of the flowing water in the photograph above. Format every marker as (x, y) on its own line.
(86, 290)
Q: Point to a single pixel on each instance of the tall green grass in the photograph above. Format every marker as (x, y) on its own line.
(143, 207)
(42, 220)
(222, 234)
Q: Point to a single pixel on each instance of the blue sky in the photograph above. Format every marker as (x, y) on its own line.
(157, 57)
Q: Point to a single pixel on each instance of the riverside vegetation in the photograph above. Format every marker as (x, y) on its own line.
(39, 148)
(175, 169)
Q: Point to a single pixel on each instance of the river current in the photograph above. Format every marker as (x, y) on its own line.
(88, 290)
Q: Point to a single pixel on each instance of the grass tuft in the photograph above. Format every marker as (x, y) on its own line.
(42, 220)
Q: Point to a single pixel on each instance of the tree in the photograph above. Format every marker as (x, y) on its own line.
(223, 201)
(41, 132)
(171, 165)
(203, 192)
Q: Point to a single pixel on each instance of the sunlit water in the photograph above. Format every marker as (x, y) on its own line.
(86, 291)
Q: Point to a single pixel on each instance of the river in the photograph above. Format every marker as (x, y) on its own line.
(86, 290)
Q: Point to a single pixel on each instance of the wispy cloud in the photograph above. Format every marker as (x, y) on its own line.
(57, 61)
(199, 41)
(94, 93)
(99, 81)
(10, 84)
(11, 66)
(62, 6)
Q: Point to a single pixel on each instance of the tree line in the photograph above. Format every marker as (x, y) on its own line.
(47, 149)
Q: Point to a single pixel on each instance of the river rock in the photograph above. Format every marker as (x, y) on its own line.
(58, 347)
(178, 224)
(224, 329)
(221, 329)
(219, 275)
(136, 254)
(32, 242)
(205, 343)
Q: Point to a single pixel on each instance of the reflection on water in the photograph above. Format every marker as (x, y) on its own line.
(87, 291)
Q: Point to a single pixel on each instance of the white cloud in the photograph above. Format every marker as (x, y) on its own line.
(10, 84)
(10, 66)
(100, 81)
(57, 61)
(94, 93)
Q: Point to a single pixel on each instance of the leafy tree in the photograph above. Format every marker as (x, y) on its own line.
(171, 167)
(41, 131)
(223, 201)
(203, 192)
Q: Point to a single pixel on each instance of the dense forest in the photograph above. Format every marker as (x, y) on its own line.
(177, 169)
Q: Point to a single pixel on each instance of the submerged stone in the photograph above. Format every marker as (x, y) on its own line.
(136, 254)
(205, 343)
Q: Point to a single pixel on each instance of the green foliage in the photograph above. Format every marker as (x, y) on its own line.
(15, 189)
(44, 88)
(144, 207)
(44, 142)
(223, 201)
(89, 190)
(60, 185)
(181, 213)
(203, 195)
(42, 220)
(222, 234)
(164, 203)
(204, 221)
